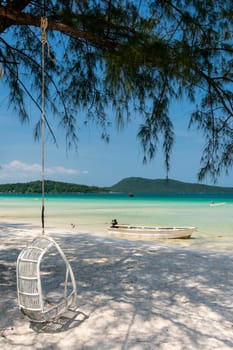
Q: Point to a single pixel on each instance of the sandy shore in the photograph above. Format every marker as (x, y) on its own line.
(131, 295)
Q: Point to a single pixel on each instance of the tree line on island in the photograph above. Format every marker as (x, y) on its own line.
(127, 185)
(50, 187)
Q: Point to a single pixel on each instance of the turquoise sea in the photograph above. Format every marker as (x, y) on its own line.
(93, 213)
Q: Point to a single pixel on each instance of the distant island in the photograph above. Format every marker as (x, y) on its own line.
(142, 185)
(131, 185)
(50, 187)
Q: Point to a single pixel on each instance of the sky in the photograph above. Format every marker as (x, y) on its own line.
(96, 163)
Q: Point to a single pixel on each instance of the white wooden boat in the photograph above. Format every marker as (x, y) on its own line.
(218, 204)
(152, 231)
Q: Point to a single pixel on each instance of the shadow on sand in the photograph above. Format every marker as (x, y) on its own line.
(132, 294)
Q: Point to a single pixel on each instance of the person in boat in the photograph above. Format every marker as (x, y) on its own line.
(114, 223)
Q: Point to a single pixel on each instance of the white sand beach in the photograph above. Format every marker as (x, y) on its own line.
(131, 295)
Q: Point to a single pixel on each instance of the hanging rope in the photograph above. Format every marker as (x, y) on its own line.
(44, 25)
(1, 71)
(44, 41)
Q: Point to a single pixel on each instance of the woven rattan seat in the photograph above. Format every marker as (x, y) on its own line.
(45, 281)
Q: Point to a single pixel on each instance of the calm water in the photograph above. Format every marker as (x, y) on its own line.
(93, 213)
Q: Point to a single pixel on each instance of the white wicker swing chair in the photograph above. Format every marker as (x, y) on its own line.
(46, 285)
(41, 295)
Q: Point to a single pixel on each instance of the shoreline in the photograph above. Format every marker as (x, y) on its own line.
(196, 241)
(131, 295)
(88, 215)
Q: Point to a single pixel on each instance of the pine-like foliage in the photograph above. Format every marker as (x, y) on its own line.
(117, 58)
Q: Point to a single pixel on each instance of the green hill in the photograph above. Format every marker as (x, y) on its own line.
(128, 185)
(50, 187)
(142, 185)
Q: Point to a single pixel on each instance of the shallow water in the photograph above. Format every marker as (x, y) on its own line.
(93, 213)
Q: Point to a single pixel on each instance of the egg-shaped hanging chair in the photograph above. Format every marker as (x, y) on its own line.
(46, 286)
(45, 281)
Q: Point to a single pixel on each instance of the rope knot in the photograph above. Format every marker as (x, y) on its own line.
(44, 41)
(43, 25)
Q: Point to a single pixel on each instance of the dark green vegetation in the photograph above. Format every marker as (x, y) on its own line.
(128, 185)
(128, 57)
(50, 187)
(141, 185)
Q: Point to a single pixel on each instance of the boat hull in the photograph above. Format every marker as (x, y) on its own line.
(155, 232)
(217, 204)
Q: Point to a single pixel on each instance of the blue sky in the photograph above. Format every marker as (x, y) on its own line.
(96, 162)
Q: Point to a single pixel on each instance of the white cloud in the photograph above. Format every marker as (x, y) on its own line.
(61, 170)
(20, 166)
(17, 171)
